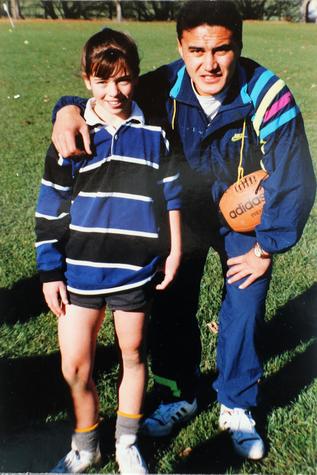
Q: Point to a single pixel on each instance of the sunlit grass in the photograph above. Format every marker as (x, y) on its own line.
(39, 62)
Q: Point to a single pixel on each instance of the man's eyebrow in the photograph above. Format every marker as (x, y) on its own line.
(222, 47)
(225, 46)
(196, 47)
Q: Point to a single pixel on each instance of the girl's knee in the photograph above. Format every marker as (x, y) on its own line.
(75, 373)
(132, 356)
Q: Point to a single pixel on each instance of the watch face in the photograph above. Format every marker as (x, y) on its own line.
(257, 251)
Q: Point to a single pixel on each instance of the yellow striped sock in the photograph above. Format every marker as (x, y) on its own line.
(87, 429)
(130, 416)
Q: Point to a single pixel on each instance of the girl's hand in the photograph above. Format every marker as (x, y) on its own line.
(55, 294)
(170, 268)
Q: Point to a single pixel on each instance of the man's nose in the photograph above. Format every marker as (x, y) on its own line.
(210, 62)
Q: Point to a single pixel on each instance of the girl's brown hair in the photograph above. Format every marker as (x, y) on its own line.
(108, 52)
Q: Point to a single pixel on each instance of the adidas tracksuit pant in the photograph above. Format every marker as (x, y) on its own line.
(175, 336)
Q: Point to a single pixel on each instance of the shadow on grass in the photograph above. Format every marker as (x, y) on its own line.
(22, 302)
(293, 324)
(216, 455)
(32, 388)
(38, 448)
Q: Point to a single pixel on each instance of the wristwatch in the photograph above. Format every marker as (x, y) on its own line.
(260, 252)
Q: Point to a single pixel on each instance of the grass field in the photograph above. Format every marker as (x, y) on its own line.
(39, 61)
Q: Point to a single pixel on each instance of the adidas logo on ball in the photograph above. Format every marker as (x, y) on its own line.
(255, 203)
(242, 203)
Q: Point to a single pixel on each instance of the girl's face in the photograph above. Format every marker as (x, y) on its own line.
(113, 95)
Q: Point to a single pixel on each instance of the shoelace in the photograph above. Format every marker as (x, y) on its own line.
(67, 461)
(163, 415)
(134, 456)
(241, 423)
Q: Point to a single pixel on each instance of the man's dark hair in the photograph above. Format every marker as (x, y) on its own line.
(210, 12)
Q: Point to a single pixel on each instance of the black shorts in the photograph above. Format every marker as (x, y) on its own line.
(127, 300)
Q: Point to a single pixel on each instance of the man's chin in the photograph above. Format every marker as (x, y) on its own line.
(210, 89)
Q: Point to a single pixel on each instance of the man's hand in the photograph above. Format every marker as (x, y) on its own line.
(170, 268)
(247, 265)
(56, 297)
(69, 123)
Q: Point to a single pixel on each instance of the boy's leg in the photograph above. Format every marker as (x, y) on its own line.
(130, 330)
(77, 333)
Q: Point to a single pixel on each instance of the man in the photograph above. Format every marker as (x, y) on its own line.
(220, 107)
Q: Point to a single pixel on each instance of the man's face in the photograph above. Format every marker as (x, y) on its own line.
(210, 54)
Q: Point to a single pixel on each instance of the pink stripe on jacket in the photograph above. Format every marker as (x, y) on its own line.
(282, 102)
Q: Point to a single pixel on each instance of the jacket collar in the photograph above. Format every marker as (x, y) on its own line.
(237, 100)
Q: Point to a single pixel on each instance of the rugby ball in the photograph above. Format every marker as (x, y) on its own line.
(242, 203)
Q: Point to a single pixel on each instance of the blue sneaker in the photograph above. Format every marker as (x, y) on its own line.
(168, 416)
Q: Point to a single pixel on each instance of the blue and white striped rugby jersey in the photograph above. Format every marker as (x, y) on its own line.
(98, 218)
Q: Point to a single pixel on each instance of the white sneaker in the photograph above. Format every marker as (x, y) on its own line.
(77, 461)
(167, 417)
(239, 423)
(128, 456)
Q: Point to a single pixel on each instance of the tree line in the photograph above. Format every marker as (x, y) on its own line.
(292, 10)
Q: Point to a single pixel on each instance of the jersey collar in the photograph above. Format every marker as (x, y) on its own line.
(93, 120)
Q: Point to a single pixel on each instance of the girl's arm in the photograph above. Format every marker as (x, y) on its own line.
(51, 228)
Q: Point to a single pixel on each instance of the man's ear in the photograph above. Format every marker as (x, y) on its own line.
(180, 48)
(86, 81)
(238, 45)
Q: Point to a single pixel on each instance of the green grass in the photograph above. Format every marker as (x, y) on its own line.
(39, 61)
